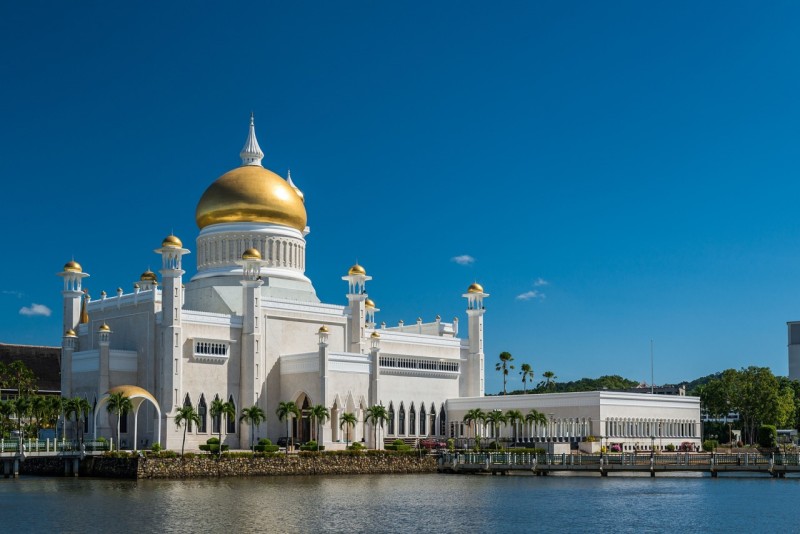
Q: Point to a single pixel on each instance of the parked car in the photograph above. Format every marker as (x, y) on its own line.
(431, 444)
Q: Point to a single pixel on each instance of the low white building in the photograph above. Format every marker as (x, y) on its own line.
(248, 328)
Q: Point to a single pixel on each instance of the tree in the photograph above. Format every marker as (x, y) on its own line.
(285, 411)
(527, 374)
(472, 417)
(350, 420)
(535, 417)
(377, 415)
(549, 382)
(118, 404)
(19, 377)
(55, 407)
(38, 411)
(6, 411)
(320, 414)
(22, 409)
(185, 416)
(83, 410)
(218, 409)
(504, 365)
(513, 417)
(253, 416)
(496, 417)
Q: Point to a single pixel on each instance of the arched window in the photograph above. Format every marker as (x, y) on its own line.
(442, 421)
(433, 419)
(391, 420)
(402, 420)
(231, 420)
(216, 420)
(422, 422)
(202, 410)
(412, 420)
(187, 402)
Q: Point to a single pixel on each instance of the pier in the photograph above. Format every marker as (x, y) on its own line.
(504, 463)
(14, 452)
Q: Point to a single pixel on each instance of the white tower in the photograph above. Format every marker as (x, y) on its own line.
(73, 275)
(472, 375)
(251, 370)
(356, 296)
(171, 252)
(104, 341)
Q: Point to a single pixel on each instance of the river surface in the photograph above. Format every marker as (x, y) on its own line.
(401, 503)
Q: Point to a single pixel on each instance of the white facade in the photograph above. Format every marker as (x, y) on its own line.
(248, 328)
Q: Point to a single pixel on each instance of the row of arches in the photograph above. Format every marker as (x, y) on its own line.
(622, 427)
(228, 249)
(416, 421)
(203, 411)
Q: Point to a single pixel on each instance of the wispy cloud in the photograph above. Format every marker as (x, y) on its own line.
(541, 282)
(35, 310)
(464, 259)
(17, 294)
(531, 295)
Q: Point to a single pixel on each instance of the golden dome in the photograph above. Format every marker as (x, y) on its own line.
(323, 329)
(369, 303)
(251, 193)
(251, 254)
(475, 288)
(104, 328)
(70, 333)
(375, 335)
(356, 270)
(148, 276)
(172, 242)
(73, 266)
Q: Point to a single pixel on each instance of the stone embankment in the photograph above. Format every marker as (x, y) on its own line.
(208, 466)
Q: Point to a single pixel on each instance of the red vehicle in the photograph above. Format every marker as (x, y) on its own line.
(431, 444)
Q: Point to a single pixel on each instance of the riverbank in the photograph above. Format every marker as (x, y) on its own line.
(237, 465)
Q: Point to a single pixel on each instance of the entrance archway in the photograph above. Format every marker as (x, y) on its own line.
(137, 396)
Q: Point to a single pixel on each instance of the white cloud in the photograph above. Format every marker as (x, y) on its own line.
(541, 282)
(530, 295)
(35, 310)
(464, 259)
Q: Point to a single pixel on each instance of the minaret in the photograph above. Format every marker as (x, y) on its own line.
(369, 306)
(374, 360)
(251, 372)
(356, 296)
(472, 373)
(73, 295)
(323, 375)
(104, 341)
(68, 345)
(251, 153)
(171, 252)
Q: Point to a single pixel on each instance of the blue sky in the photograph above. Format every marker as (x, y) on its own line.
(618, 172)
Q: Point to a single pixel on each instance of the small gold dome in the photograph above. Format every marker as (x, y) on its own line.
(251, 193)
(70, 333)
(172, 241)
(148, 276)
(369, 303)
(475, 288)
(73, 266)
(323, 329)
(135, 286)
(356, 270)
(103, 293)
(375, 335)
(104, 328)
(251, 254)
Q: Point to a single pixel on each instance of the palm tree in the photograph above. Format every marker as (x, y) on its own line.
(496, 417)
(320, 414)
(350, 420)
(472, 417)
(185, 417)
(504, 366)
(253, 416)
(286, 410)
(513, 417)
(6, 411)
(83, 409)
(535, 417)
(22, 409)
(377, 414)
(118, 404)
(527, 374)
(38, 409)
(549, 381)
(218, 409)
(55, 408)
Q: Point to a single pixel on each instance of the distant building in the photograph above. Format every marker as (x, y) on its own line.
(666, 389)
(45, 362)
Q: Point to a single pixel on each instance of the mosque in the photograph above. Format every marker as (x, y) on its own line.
(248, 328)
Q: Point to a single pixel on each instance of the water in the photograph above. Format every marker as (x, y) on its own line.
(401, 503)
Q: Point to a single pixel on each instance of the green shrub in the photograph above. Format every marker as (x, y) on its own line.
(451, 444)
(710, 444)
(156, 447)
(213, 447)
(398, 445)
(265, 441)
(312, 446)
(356, 446)
(767, 436)
(670, 447)
(213, 441)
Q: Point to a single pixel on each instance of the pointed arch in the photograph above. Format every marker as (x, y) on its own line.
(390, 429)
(202, 412)
(187, 401)
(412, 420)
(423, 423)
(401, 420)
(442, 421)
(433, 420)
(230, 427)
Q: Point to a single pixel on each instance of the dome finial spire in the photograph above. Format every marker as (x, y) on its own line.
(251, 154)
